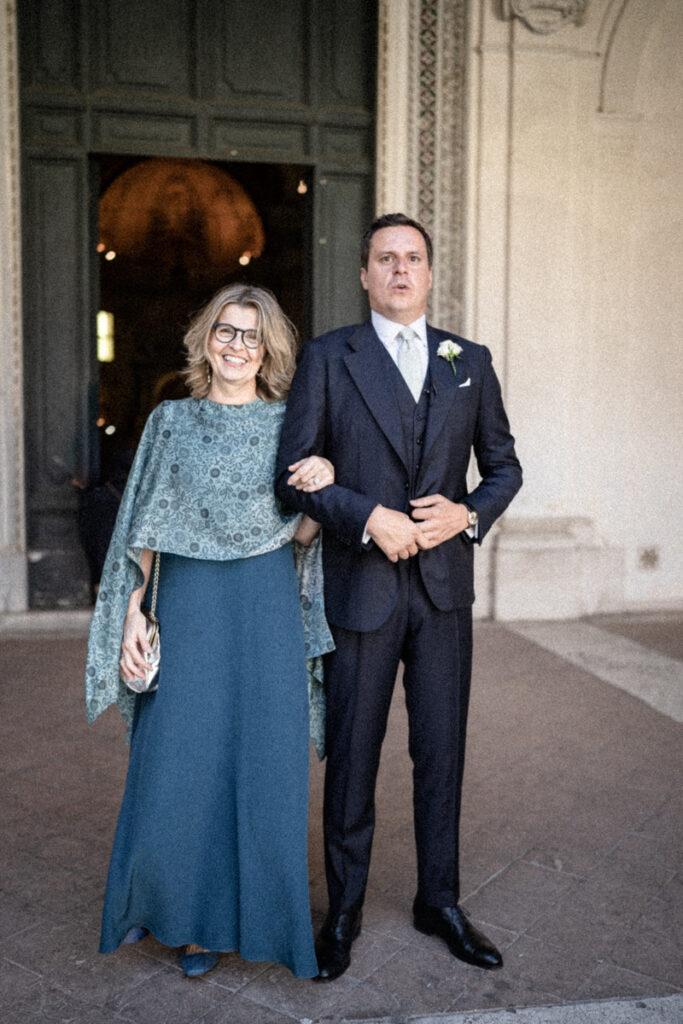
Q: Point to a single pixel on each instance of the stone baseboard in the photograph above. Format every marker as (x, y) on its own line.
(554, 569)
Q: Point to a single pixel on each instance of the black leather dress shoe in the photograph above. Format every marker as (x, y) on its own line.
(462, 938)
(333, 946)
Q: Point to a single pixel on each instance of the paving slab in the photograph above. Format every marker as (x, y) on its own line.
(571, 838)
(655, 678)
(668, 1010)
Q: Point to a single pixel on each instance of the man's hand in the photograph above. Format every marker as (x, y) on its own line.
(439, 519)
(394, 532)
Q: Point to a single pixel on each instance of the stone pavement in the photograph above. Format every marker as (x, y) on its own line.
(571, 848)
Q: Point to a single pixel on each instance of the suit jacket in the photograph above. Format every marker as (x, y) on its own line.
(342, 405)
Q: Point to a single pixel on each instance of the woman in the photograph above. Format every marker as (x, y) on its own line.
(210, 848)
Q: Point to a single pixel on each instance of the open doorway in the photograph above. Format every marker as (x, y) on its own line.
(170, 232)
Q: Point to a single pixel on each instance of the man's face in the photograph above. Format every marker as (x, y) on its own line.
(398, 275)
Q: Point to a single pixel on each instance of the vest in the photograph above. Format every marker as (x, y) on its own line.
(414, 424)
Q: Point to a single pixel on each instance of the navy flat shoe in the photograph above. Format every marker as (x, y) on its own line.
(196, 964)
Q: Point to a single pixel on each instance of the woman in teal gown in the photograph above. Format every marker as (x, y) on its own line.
(210, 851)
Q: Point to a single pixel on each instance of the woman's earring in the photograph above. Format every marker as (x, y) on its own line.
(208, 374)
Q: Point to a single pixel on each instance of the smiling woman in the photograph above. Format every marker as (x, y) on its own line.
(227, 729)
(265, 371)
(235, 363)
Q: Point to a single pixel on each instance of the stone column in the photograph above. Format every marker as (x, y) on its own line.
(421, 100)
(421, 156)
(13, 584)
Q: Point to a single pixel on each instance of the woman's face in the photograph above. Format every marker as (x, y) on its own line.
(234, 364)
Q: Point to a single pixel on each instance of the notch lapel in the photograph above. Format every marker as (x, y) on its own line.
(370, 366)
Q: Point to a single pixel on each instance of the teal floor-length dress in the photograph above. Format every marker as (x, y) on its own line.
(211, 842)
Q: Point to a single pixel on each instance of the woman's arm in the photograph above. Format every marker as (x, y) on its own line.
(310, 474)
(134, 645)
(307, 532)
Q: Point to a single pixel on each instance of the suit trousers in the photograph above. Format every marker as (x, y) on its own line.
(436, 650)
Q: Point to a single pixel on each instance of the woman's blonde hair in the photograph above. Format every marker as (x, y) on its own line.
(276, 332)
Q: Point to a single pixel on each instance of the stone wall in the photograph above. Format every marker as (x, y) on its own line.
(573, 243)
(12, 543)
(540, 143)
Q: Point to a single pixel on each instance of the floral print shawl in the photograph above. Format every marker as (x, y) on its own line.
(201, 486)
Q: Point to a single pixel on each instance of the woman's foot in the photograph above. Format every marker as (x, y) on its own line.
(134, 935)
(196, 961)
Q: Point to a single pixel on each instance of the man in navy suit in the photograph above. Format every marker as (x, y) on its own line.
(398, 412)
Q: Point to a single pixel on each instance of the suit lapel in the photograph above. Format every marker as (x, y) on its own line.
(371, 368)
(444, 387)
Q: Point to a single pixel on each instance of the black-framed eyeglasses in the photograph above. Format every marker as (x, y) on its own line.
(225, 333)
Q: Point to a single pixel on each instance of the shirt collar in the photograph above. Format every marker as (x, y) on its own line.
(388, 329)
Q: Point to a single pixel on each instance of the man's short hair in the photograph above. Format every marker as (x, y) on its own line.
(392, 220)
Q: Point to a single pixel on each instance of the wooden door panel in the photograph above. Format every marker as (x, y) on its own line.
(143, 49)
(275, 82)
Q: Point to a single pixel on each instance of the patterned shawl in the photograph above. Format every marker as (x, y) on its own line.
(201, 486)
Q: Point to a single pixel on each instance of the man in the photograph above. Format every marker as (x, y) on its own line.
(398, 417)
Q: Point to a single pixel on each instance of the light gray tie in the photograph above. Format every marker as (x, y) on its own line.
(410, 360)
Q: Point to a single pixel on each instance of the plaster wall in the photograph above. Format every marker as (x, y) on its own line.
(573, 243)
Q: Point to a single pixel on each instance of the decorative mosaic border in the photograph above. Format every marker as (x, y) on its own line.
(442, 151)
(421, 97)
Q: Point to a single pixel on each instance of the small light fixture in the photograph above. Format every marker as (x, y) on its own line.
(245, 259)
(302, 187)
(105, 337)
(101, 247)
(111, 429)
(110, 255)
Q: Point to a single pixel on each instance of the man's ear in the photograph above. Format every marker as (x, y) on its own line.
(364, 277)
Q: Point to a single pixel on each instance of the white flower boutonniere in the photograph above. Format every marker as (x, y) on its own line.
(451, 351)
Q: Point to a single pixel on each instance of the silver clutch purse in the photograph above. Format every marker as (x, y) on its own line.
(153, 658)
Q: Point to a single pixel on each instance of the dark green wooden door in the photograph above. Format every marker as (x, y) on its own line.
(263, 82)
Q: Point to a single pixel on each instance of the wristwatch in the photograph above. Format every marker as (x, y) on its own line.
(472, 516)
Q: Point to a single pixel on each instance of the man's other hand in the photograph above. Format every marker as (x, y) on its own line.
(394, 532)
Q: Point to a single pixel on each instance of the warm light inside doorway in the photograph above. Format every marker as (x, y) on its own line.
(105, 337)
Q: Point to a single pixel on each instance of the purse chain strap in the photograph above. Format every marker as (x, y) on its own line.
(155, 585)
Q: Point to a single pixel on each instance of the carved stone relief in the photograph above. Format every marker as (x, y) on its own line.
(545, 16)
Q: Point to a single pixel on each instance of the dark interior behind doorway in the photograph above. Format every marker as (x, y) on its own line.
(172, 253)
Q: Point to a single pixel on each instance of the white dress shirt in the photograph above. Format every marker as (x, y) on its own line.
(388, 331)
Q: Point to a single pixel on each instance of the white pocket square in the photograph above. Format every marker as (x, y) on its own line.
(466, 383)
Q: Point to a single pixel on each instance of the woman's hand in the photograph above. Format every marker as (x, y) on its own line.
(307, 531)
(134, 645)
(311, 474)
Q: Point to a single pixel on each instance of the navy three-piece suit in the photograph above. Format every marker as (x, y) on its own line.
(350, 404)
